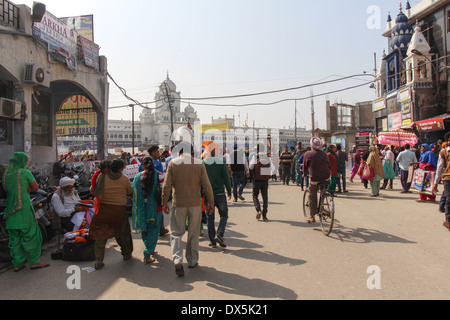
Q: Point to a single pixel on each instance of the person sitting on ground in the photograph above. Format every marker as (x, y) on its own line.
(64, 203)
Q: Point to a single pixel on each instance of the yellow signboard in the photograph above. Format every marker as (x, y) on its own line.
(214, 126)
(76, 117)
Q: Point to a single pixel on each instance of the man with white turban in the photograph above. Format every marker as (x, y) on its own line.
(64, 203)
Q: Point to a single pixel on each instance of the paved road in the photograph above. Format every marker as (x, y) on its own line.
(285, 258)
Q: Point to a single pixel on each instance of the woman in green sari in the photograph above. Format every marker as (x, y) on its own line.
(147, 213)
(25, 238)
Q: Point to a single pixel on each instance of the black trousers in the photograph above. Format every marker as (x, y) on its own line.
(447, 199)
(263, 187)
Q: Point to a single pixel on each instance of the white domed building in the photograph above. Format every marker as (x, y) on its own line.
(156, 125)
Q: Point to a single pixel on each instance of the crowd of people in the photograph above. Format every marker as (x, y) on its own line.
(190, 188)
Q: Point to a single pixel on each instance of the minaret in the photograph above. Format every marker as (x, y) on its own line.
(418, 61)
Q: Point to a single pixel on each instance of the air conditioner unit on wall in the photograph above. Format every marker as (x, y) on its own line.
(36, 75)
(10, 109)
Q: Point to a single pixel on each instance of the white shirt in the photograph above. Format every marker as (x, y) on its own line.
(65, 210)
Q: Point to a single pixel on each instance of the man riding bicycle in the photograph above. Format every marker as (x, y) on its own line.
(318, 166)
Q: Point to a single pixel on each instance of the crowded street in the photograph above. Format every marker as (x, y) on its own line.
(282, 258)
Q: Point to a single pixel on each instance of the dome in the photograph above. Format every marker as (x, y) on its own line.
(401, 33)
(170, 85)
(189, 110)
(419, 43)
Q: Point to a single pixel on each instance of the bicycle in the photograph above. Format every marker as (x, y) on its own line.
(325, 209)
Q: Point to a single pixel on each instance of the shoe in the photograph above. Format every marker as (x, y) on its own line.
(179, 270)
(311, 220)
(235, 200)
(241, 197)
(194, 266)
(447, 225)
(258, 215)
(212, 245)
(420, 200)
(128, 257)
(265, 219)
(221, 241)
(345, 191)
(98, 265)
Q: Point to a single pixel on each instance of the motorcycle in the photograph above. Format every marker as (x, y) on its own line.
(41, 201)
(5, 255)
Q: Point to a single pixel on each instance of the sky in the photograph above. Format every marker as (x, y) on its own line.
(221, 48)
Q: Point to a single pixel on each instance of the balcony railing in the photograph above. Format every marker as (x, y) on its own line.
(9, 14)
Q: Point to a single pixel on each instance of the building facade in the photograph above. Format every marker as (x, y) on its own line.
(412, 79)
(36, 83)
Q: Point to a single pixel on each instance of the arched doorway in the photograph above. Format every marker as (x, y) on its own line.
(79, 119)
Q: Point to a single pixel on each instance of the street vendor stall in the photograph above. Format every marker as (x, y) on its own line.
(398, 137)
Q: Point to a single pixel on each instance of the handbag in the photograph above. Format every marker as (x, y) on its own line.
(361, 169)
(78, 251)
(368, 173)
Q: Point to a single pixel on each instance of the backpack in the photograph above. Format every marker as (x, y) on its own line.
(258, 169)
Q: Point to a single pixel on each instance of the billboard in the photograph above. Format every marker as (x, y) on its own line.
(76, 117)
(62, 41)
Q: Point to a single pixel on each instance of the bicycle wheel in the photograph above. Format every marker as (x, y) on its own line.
(306, 211)
(326, 213)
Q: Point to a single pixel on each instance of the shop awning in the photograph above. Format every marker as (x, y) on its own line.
(398, 138)
(433, 124)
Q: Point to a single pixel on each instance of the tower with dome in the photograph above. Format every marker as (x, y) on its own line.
(156, 125)
(412, 78)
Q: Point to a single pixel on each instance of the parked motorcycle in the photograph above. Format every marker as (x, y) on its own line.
(41, 201)
(5, 255)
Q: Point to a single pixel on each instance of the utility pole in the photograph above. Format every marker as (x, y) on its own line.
(169, 100)
(296, 122)
(132, 127)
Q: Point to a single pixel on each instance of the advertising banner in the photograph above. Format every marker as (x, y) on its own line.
(91, 52)
(62, 41)
(83, 24)
(436, 124)
(76, 117)
(215, 126)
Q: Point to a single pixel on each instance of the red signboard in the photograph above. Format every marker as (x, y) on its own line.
(435, 124)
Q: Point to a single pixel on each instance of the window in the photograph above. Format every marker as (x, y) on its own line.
(5, 132)
(448, 21)
(391, 75)
(42, 121)
(427, 30)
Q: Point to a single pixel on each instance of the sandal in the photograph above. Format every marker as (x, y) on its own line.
(149, 260)
(40, 266)
(19, 268)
